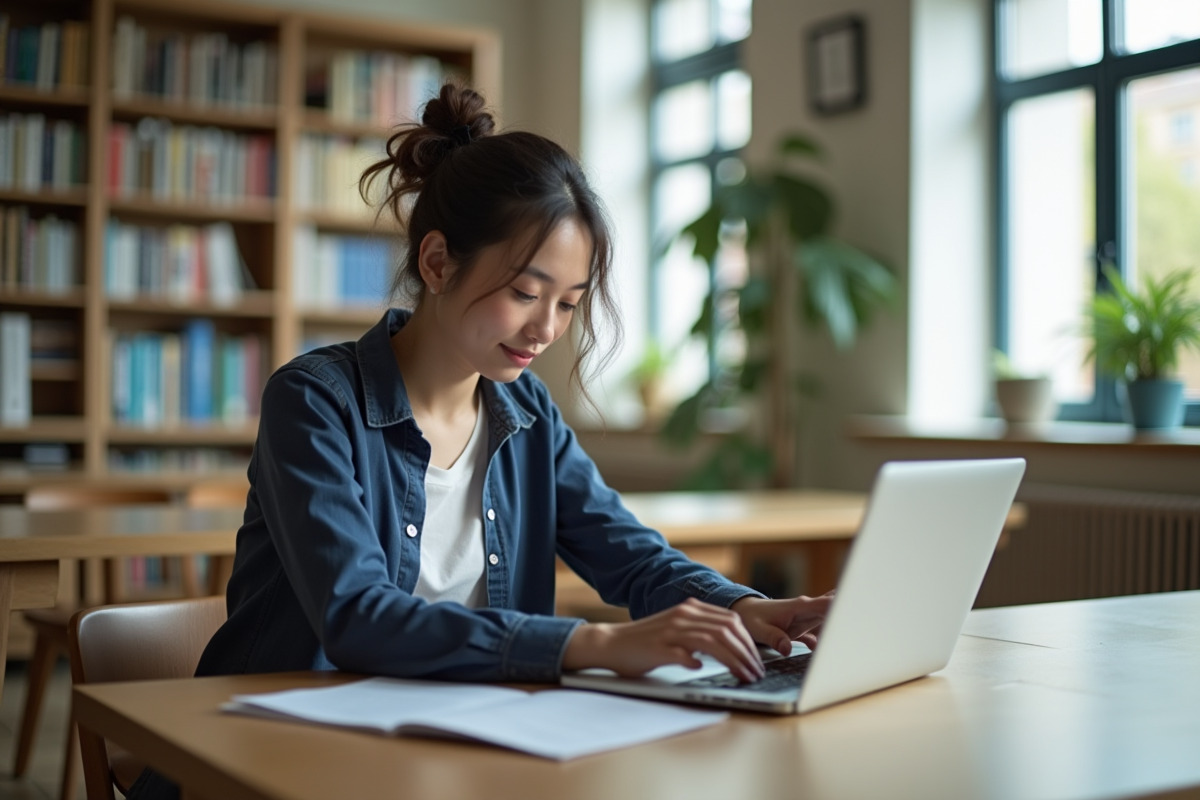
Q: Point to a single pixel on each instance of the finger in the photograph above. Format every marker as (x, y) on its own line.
(724, 644)
(731, 621)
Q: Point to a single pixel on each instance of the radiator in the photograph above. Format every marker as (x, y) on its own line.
(1080, 543)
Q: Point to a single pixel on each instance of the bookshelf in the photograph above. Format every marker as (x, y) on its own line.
(176, 178)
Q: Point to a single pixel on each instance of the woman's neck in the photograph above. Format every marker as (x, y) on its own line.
(437, 387)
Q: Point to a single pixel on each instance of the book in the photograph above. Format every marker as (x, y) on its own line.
(14, 369)
(558, 724)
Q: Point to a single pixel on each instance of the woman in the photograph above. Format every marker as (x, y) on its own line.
(410, 491)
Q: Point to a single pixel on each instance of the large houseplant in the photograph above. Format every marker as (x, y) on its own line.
(1137, 336)
(800, 277)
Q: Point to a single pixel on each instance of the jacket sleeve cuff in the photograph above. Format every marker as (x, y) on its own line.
(534, 650)
(724, 594)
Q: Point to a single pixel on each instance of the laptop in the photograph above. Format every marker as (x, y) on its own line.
(911, 576)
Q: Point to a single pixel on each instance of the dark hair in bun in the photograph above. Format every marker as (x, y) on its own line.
(455, 174)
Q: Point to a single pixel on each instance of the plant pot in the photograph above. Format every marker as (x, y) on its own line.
(1026, 401)
(1154, 404)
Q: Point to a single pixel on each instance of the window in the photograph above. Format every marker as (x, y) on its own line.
(700, 120)
(1096, 163)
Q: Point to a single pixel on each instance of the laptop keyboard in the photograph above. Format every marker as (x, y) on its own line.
(782, 673)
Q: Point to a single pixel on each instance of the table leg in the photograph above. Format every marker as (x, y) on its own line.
(23, 584)
(7, 579)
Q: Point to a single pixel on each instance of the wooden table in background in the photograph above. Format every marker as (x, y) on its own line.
(1083, 699)
(33, 543)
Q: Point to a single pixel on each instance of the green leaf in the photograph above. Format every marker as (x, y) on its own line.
(749, 199)
(703, 326)
(840, 287)
(753, 371)
(683, 425)
(798, 144)
(807, 208)
(705, 231)
(754, 305)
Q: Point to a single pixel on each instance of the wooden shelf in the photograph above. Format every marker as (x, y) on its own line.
(183, 210)
(345, 317)
(255, 304)
(75, 298)
(316, 121)
(266, 321)
(58, 97)
(993, 435)
(75, 196)
(224, 116)
(56, 429)
(214, 435)
(56, 370)
(347, 223)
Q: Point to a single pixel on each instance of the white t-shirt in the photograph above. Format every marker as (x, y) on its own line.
(452, 558)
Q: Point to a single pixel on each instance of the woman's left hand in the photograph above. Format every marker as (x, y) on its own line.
(775, 623)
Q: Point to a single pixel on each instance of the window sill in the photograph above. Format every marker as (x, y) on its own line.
(1078, 436)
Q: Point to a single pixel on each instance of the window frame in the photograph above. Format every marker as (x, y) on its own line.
(1107, 79)
(707, 65)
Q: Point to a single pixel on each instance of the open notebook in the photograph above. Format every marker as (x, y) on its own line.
(554, 723)
(914, 569)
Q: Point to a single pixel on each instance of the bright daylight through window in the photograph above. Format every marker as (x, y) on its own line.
(1098, 108)
(700, 118)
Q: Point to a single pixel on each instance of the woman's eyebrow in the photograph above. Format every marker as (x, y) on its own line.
(545, 277)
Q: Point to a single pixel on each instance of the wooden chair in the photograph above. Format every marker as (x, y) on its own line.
(50, 624)
(134, 642)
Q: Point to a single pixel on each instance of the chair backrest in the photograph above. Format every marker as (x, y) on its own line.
(51, 497)
(131, 642)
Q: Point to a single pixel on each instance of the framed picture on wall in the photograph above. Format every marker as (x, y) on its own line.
(837, 65)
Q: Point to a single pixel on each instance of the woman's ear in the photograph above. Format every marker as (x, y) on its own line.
(433, 259)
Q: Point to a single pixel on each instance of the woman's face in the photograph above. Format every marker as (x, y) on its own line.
(502, 332)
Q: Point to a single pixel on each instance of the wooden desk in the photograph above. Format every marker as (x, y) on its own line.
(33, 542)
(1085, 699)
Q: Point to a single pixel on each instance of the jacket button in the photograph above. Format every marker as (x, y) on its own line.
(411, 530)
(491, 515)
(493, 559)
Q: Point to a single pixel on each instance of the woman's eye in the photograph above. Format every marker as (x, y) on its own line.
(527, 298)
(567, 307)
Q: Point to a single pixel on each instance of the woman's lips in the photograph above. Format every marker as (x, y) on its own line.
(520, 357)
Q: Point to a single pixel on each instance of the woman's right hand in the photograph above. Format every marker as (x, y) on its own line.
(672, 636)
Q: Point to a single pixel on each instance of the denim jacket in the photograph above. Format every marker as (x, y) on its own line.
(328, 554)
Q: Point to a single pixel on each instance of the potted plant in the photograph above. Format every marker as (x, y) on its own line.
(800, 276)
(649, 376)
(1137, 337)
(1023, 398)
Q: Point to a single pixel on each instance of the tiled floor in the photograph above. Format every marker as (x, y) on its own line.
(42, 779)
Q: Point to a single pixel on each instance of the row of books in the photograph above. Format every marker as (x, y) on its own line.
(37, 254)
(174, 459)
(327, 172)
(195, 376)
(372, 86)
(182, 263)
(203, 68)
(187, 162)
(45, 56)
(37, 153)
(336, 271)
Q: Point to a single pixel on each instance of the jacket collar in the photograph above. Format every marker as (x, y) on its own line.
(383, 385)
